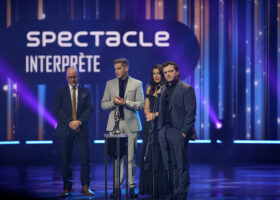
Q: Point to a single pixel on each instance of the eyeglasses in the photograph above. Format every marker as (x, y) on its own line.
(72, 77)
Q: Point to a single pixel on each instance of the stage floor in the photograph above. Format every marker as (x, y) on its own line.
(251, 181)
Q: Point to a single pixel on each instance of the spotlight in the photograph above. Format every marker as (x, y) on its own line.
(218, 125)
(15, 86)
(5, 88)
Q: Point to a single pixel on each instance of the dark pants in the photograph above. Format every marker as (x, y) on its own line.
(66, 149)
(177, 155)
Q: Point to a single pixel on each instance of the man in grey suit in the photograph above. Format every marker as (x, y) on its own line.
(177, 110)
(127, 93)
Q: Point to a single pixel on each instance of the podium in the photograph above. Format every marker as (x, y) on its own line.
(116, 148)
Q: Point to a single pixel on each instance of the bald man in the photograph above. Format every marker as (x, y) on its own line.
(73, 109)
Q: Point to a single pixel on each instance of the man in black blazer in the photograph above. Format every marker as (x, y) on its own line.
(73, 109)
(177, 110)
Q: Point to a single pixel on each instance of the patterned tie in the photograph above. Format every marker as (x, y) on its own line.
(74, 110)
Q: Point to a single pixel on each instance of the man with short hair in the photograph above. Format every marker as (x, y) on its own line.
(73, 109)
(127, 93)
(177, 110)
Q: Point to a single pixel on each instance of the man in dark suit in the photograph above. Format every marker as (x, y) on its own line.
(73, 109)
(177, 110)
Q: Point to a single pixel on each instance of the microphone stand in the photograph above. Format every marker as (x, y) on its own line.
(150, 144)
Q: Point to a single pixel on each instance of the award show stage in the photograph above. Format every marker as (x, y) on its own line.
(60, 74)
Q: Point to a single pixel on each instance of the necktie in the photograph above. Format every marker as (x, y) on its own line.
(74, 110)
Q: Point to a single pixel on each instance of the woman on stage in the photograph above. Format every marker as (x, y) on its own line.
(153, 177)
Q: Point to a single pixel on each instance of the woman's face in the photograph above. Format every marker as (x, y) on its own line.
(156, 75)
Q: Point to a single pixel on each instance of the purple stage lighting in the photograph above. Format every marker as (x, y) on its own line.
(28, 98)
(212, 115)
(218, 125)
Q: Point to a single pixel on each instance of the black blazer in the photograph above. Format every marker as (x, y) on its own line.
(182, 109)
(63, 111)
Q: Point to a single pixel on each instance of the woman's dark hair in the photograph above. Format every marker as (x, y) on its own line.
(153, 84)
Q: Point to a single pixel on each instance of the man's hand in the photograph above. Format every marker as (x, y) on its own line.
(184, 135)
(119, 101)
(74, 125)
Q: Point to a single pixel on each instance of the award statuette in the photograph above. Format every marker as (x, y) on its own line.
(117, 117)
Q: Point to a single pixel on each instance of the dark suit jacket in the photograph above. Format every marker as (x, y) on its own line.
(63, 111)
(182, 109)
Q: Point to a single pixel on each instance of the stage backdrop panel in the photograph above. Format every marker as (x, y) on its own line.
(35, 55)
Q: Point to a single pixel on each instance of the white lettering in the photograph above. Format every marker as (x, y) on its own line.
(48, 37)
(74, 61)
(27, 64)
(84, 39)
(96, 63)
(65, 62)
(97, 35)
(81, 63)
(63, 39)
(161, 38)
(31, 36)
(113, 41)
(126, 35)
(56, 63)
(48, 64)
(76, 40)
(142, 42)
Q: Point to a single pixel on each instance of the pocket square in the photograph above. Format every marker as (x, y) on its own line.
(84, 95)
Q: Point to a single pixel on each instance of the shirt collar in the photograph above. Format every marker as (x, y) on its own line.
(124, 80)
(173, 83)
(70, 87)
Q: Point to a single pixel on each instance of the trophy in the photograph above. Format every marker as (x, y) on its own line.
(116, 130)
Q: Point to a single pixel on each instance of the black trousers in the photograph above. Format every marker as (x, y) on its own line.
(178, 169)
(66, 149)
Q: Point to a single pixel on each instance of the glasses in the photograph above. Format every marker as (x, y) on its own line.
(72, 77)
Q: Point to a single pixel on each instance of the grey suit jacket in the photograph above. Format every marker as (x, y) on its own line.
(182, 109)
(134, 102)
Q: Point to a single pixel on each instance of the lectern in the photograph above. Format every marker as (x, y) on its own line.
(116, 148)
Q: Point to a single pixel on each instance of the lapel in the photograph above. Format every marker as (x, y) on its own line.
(161, 97)
(68, 97)
(80, 92)
(128, 86)
(175, 92)
(116, 86)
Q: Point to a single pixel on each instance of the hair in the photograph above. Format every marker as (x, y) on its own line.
(153, 84)
(176, 67)
(123, 61)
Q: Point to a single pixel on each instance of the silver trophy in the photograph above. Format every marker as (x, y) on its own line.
(117, 117)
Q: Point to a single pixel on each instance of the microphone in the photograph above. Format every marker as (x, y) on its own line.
(158, 87)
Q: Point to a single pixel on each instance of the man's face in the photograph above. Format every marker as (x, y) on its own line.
(121, 71)
(170, 73)
(72, 76)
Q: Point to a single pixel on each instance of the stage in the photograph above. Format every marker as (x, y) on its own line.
(208, 181)
(227, 50)
(247, 171)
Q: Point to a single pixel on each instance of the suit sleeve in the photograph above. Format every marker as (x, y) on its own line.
(190, 108)
(61, 116)
(139, 102)
(107, 103)
(84, 117)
